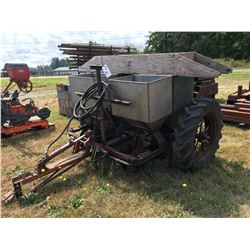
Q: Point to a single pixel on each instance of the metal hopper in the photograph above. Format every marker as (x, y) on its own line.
(183, 64)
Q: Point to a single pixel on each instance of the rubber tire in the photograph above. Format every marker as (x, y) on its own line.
(183, 150)
(43, 113)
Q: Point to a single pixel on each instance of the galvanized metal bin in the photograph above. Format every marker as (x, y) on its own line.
(150, 97)
(80, 83)
(153, 97)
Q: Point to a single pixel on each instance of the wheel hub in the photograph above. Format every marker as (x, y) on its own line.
(202, 138)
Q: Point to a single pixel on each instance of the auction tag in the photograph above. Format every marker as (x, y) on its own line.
(106, 71)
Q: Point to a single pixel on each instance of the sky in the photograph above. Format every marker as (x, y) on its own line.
(36, 48)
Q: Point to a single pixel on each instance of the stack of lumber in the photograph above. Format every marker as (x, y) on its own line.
(205, 87)
(238, 113)
(81, 52)
(238, 108)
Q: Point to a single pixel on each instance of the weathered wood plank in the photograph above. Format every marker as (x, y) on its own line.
(165, 63)
(208, 62)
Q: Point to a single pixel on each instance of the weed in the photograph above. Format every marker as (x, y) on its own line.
(103, 188)
(77, 201)
(237, 165)
(103, 168)
(219, 151)
(16, 169)
(31, 198)
(78, 182)
(53, 211)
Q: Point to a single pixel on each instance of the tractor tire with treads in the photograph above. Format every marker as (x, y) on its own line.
(196, 135)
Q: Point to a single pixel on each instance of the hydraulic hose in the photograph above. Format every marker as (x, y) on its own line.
(80, 110)
(81, 107)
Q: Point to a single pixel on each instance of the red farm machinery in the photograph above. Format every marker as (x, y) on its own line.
(17, 117)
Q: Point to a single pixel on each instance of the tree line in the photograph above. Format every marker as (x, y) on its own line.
(55, 63)
(234, 45)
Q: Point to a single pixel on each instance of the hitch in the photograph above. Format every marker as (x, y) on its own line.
(53, 169)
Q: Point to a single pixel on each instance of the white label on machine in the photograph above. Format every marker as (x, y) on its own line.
(106, 71)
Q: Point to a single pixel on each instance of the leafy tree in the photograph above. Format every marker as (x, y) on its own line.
(64, 62)
(43, 69)
(55, 63)
(234, 45)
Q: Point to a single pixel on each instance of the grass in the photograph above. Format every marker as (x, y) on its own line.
(40, 83)
(228, 84)
(235, 63)
(157, 190)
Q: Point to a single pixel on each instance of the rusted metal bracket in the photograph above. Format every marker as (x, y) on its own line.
(130, 160)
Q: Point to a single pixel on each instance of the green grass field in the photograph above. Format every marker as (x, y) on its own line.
(40, 83)
(106, 190)
(235, 63)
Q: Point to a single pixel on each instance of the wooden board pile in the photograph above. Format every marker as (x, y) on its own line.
(237, 109)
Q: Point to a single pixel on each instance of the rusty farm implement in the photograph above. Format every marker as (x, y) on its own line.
(17, 117)
(151, 105)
